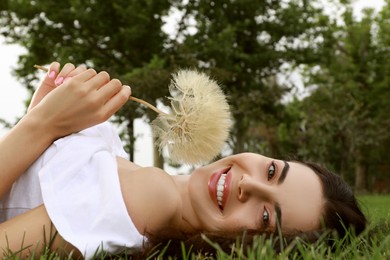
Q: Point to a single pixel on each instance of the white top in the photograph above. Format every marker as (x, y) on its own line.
(77, 180)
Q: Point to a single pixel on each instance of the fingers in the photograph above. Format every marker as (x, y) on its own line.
(112, 96)
(68, 71)
(116, 101)
(85, 75)
(68, 67)
(99, 80)
(46, 86)
(53, 70)
(75, 72)
(110, 89)
(109, 95)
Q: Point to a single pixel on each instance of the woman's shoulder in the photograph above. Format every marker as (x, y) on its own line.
(152, 199)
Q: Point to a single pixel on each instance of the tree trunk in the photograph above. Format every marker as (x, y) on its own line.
(239, 136)
(158, 159)
(360, 175)
(343, 169)
(343, 159)
(130, 129)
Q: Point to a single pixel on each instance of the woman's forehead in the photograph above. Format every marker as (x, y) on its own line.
(301, 198)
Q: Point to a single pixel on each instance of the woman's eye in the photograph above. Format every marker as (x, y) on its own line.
(271, 171)
(265, 216)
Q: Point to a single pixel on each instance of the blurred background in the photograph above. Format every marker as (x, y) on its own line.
(306, 80)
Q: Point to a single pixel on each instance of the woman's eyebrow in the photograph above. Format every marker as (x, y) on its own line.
(278, 210)
(284, 172)
(278, 220)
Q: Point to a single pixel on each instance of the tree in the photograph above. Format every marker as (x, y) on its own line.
(122, 37)
(346, 111)
(244, 44)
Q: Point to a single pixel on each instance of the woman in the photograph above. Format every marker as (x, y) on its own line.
(99, 201)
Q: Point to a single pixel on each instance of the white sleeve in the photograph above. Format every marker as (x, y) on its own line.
(81, 192)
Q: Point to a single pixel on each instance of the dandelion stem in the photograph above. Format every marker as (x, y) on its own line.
(41, 68)
(146, 104)
(130, 98)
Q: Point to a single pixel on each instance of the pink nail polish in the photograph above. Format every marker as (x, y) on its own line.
(52, 74)
(59, 80)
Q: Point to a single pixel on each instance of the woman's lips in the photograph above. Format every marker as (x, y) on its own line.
(213, 189)
(227, 188)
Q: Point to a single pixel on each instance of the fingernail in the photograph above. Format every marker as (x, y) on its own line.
(126, 86)
(52, 74)
(59, 80)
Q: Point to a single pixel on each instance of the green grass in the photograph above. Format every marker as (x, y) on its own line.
(376, 207)
(373, 244)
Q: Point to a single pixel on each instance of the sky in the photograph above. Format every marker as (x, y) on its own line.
(13, 95)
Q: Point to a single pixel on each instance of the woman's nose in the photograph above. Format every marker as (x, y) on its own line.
(242, 190)
(249, 187)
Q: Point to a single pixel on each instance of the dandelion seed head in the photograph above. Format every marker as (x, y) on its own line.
(199, 124)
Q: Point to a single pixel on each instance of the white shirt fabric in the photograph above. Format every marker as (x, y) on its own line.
(77, 180)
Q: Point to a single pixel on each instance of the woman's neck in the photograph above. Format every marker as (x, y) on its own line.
(189, 223)
(156, 201)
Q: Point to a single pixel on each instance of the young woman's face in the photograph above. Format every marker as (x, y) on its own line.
(250, 191)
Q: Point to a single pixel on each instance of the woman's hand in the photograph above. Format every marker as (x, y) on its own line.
(82, 98)
(78, 98)
(53, 79)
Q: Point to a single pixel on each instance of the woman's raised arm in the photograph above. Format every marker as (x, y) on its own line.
(59, 107)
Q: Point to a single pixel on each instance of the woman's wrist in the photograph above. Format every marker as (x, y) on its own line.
(22, 145)
(40, 126)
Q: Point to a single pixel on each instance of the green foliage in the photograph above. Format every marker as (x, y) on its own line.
(345, 113)
(119, 36)
(244, 44)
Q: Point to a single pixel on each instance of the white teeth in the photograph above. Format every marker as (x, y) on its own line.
(220, 188)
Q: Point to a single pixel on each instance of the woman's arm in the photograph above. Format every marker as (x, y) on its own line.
(83, 100)
(30, 233)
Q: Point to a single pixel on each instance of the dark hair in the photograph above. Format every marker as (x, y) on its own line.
(341, 214)
(341, 211)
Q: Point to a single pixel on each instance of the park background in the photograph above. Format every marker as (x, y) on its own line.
(306, 80)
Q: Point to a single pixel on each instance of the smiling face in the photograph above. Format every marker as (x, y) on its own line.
(250, 191)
